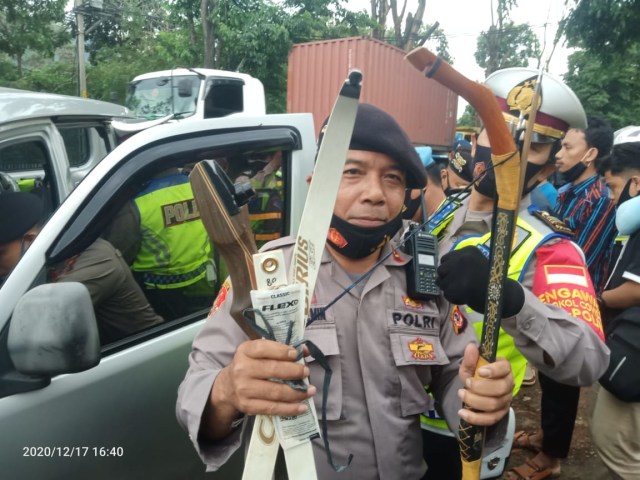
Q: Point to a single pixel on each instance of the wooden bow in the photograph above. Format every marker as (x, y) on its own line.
(509, 174)
(225, 216)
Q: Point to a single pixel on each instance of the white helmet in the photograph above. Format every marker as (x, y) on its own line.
(627, 134)
(559, 108)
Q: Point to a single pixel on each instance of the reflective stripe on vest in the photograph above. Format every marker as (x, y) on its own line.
(442, 216)
(528, 239)
(265, 208)
(175, 246)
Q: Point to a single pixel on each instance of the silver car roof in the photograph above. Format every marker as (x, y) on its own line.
(16, 105)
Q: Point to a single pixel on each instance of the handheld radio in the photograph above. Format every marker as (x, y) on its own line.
(422, 269)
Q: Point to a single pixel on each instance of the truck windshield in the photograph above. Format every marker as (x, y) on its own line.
(161, 96)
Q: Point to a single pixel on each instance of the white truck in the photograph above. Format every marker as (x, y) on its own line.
(195, 93)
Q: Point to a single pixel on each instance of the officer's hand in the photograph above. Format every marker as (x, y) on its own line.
(463, 277)
(245, 384)
(486, 397)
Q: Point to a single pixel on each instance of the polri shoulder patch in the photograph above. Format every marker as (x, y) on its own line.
(553, 223)
(458, 320)
(221, 297)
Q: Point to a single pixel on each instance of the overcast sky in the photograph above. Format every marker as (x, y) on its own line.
(463, 20)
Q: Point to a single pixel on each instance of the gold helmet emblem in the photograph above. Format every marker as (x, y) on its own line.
(520, 97)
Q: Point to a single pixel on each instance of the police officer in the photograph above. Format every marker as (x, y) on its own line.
(383, 346)
(432, 196)
(541, 256)
(459, 171)
(265, 207)
(174, 262)
(373, 338)
(120, 306)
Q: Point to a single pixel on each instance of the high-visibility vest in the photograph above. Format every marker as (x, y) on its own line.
(266, 206)
(528, 238)
(175, 247)
(443, 216)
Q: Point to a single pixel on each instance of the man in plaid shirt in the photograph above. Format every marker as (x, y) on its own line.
(583, 203)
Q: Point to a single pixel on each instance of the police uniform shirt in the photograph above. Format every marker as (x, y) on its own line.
(579, 356)
(120, 306)
(382, 347)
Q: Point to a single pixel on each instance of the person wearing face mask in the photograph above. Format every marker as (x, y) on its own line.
(381, 345)
(432, 196)
(459, 171)
(584, 203)
(615, 423)
(541, 256)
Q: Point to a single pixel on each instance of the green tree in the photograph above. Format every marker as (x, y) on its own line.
(434, 38)
(604, 71)
(505, 44)
(469, 118)
(406, 24)
(604, 26)
(31, 24)
(122, 23)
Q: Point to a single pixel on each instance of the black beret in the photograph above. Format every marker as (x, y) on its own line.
(19, 213)
(377, 131)
(462, 163)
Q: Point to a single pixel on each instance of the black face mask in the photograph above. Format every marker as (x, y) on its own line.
(487, 184)
(574, 172)
(531, 171)
(625, 194)
(450, 191)
(357, 242)
(412, 204)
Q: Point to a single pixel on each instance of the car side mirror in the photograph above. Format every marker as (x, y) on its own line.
(54, 330)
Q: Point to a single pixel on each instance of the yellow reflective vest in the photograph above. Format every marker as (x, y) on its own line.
(265, 208)
(529, 236)
(175, 248)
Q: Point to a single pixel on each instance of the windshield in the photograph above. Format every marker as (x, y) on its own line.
(152, 98)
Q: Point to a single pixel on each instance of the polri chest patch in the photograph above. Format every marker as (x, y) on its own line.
(411, 349)
(419, 320)
(421, 349)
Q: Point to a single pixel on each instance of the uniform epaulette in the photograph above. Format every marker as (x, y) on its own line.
(553, 223)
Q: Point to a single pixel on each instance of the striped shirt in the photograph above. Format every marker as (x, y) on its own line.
(587, 209)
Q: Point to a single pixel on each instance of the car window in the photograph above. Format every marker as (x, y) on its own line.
(23, 156)
(28, 164)
(152, 266)
(223, 97)
(83, 143)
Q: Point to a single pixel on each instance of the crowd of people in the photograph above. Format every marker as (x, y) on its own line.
(392, 413)
(564, 287)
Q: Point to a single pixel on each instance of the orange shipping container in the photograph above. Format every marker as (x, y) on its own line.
(424, 108)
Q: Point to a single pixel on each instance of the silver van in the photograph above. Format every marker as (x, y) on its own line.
(68, 410)
(48, 142)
